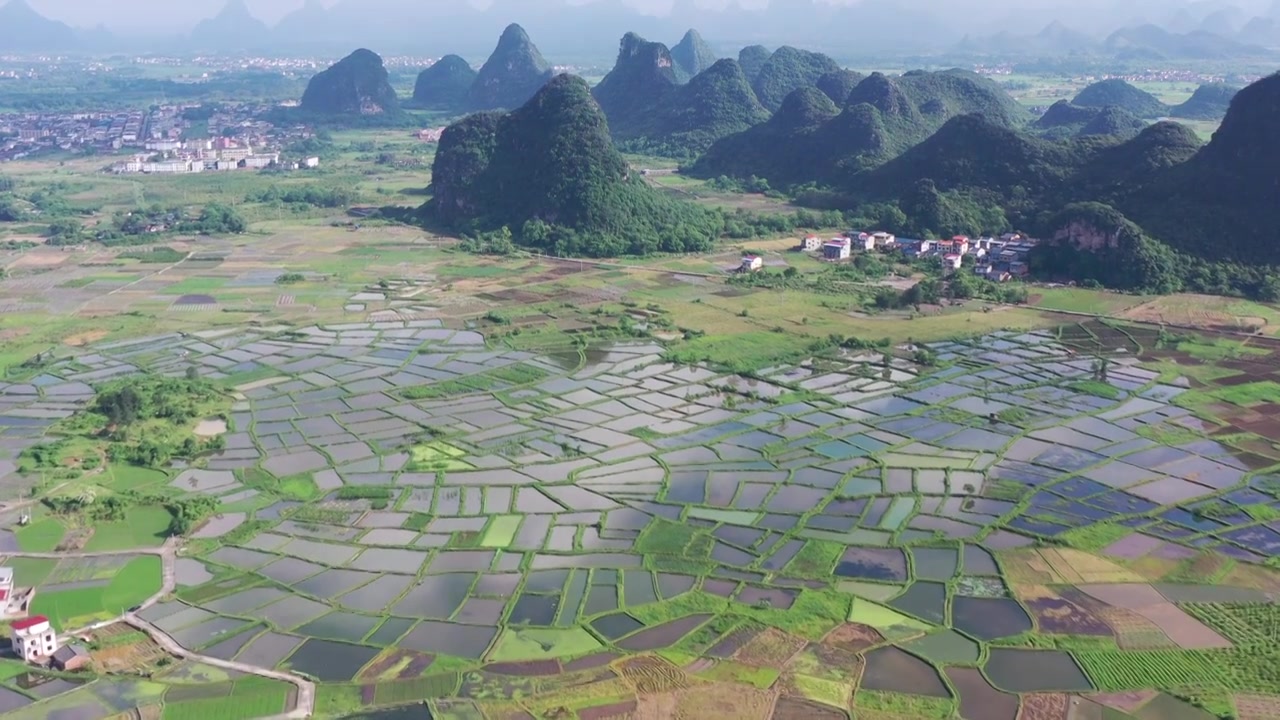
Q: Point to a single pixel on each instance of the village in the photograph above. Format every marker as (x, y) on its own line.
(173, 138)
(998, 259)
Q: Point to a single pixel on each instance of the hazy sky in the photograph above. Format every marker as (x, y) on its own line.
(143, 16)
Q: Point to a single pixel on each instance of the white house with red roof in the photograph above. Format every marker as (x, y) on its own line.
(33, 638)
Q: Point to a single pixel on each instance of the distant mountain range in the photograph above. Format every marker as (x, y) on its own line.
(1139, 29)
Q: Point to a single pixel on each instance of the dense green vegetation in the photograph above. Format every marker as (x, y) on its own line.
(324, 196)
(511, 75)
(649, 112)
(838, 84)
(716, 103)
(643, 76)
(144, 420)
(812, 140)
(1221, 203)
(1118, 93)
(355, 85)
(752, 58)
(444, 85)
(789, 69)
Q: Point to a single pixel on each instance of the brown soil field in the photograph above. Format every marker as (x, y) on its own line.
(1253, 576)
(135, 655)
(852, 638)
(1200, 311)
(1125, 702)
(1257, 707)
(84, 338)
(1044, 706)
(612, 711)
(723, 701)
(657, 706)
(771, 648)
(650, 674)
(789, 708)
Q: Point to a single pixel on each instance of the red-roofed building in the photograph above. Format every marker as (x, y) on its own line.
(33, 638)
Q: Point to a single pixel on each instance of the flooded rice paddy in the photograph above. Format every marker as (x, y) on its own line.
(479, 507)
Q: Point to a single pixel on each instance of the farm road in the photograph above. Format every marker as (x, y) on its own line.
(168, 553)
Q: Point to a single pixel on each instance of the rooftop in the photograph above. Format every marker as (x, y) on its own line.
(28, 623)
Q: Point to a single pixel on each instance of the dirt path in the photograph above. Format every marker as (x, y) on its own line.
(140, 278)
(306, 704)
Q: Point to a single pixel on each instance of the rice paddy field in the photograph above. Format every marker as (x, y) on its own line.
(414, 510)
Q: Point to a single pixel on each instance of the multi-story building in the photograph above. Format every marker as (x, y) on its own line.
(33, 638)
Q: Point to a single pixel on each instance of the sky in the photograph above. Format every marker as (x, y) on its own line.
(130, 17)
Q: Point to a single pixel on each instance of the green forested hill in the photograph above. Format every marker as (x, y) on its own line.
(788, 69)
(651, 113)
(692, 55)
(1122, 95)
(444, 85)
(548, 171)
(752, 58)
(715, 103)
(1223, 200)
(881, 118)
(838, 84)
(642, 78)
(512, 74)
(1208, 102)
(355, 85)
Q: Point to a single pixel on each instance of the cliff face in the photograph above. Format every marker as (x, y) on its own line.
(643, 76)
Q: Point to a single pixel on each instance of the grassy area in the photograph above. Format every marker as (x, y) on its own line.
(43, 535)
(134, 583)
(1083, 300)
(142, 527)
(1096, 388)
(1250, 394)
(30, 572)
(541, 643)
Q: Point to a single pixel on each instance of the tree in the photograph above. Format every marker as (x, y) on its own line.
(65, 231)
(1100, 367)
(10, 211)
(121, 406)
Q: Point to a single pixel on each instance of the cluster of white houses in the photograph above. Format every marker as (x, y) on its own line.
(177, 157)
(999, 258)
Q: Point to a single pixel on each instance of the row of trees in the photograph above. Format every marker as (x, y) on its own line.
(323, 196)
(186, 513)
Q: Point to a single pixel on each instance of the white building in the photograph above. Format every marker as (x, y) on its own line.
(884, 239)
(837, 249)
(811, 243)
(751, 263)
(260, 161)
(311, 162)
(33, 638)
(6, 584)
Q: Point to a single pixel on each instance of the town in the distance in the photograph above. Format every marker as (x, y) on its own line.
(635, 360)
